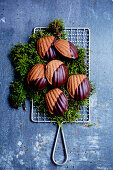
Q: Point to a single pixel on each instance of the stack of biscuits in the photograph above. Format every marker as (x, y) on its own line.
(55, 73)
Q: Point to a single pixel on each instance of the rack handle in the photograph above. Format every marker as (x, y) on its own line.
(64, 144)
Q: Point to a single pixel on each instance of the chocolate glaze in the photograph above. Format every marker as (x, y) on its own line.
(83, 90)
(40, 83)
(58, 54)
(73, 50)
(60, 76)
(61, 105)
(51, 53)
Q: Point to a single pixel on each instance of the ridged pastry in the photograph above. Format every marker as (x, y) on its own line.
(36, 77)
(56, 101)
(46, 48)
(66, 48)
(78, 86)
(56, 73)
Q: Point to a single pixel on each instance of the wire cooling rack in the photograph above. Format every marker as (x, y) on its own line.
(81, 37)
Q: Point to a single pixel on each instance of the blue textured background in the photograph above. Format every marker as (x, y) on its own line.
(27, 145)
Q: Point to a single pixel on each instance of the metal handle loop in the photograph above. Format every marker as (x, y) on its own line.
(64, 144)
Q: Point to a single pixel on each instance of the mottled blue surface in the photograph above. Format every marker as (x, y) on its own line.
(27, 145)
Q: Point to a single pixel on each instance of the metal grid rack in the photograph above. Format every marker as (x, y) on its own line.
(81, 37)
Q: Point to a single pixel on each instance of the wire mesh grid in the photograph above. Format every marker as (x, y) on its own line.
(81, 37)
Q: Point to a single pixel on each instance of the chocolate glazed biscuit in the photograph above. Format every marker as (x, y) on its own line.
(57, 102)
(66, 49)
(56, 73)
(78, 87)
(36, 77)
(45, 47)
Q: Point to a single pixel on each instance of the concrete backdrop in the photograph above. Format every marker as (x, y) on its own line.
(27, 145)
